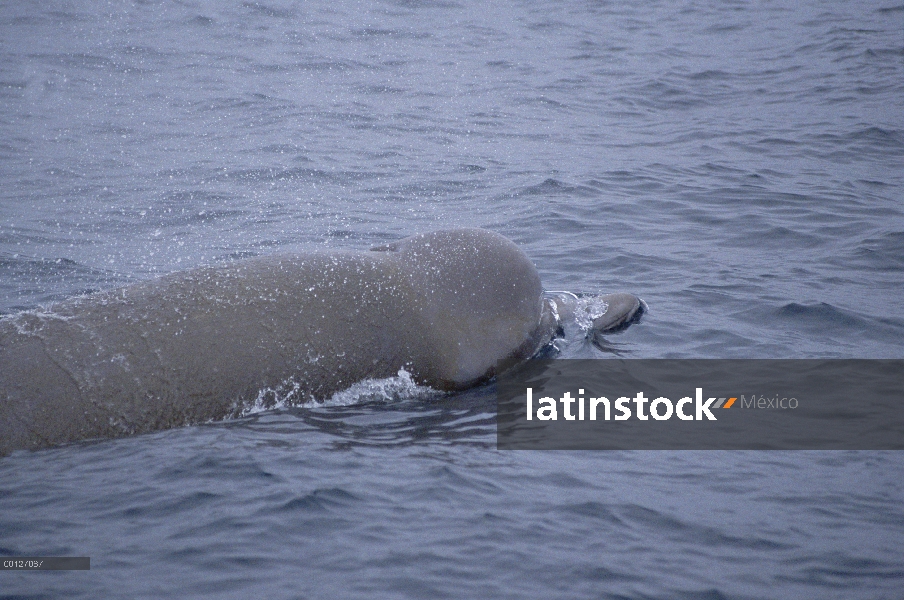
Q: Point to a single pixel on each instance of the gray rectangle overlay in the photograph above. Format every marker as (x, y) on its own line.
(736, 404)
(45, 563)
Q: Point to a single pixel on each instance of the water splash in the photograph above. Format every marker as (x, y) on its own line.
(387, 389)
(582, 309)
(587, 309)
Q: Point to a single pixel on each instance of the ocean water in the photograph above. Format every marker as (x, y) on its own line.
(740, 166)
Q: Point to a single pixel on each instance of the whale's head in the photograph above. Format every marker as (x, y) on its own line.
(479, 298)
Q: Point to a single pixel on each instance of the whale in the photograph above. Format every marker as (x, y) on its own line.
(452, 308)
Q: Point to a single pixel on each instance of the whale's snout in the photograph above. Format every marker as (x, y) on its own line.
(622, 310)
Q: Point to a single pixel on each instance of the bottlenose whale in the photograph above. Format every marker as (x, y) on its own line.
(450, 307)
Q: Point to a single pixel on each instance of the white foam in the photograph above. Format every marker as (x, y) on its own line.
(388, 389)
(29, 322)
(587, 309)
(400, 387)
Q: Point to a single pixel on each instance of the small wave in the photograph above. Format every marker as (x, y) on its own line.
(320, 500)
(883, 253)
(27, 282)
(554, 187)
(268, 11)
(271, 175)
(819, 315)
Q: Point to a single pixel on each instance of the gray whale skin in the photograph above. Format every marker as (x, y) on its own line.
(200, 345)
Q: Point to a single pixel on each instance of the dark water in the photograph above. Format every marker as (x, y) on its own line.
(740, 166)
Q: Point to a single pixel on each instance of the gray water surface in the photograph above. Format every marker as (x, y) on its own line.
(740, 166)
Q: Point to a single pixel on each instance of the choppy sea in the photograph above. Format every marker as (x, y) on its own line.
(738, 165)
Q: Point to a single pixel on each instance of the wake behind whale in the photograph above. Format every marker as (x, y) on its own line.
(448, 307)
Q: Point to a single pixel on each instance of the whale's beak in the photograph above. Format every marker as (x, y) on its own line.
(622, 310)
